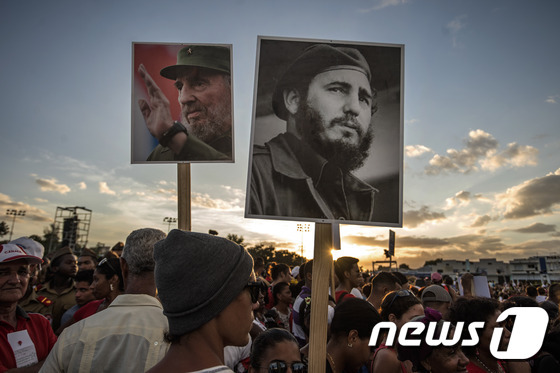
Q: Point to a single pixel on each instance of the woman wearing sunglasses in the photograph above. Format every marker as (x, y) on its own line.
(275, 351)
(399, 307)
(348, 348)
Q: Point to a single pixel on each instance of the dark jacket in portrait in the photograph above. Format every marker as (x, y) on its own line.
(290, 179)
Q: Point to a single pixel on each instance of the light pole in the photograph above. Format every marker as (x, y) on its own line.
(169, 220)
(303, 228)
(14, 213)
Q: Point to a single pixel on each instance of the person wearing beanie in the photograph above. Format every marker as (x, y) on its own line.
(327, 100)
(209, 306)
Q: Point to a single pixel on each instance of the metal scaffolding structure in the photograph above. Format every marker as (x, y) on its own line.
(72, 225)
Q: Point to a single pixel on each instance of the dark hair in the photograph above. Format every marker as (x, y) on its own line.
(277, 289)
(531, 291)
(471, 310)
(278, 269)
(401, 279)
(397, 305)
(259, 262)
(366, 289)
(266, 340)
(553, 289)
(111, 267)
(307, 268)
(541, 290)
(519, 301)
(342, 265)
(354, 314)
(84, 275)
(383, 278)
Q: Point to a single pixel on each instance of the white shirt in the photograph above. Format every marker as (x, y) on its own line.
(125, 337)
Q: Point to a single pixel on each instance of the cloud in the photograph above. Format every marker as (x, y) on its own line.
(552, 99)
(414, 218)
(537, 228)
(51, 185)
(31, 213)
(41, 200)
(412, 121)
(514, 155)
(206, 201)
(413, 151)
(104, 189)
(381, 4)
(459, 199)
(82, 185)
(532, 197)
(481, 152)
(548, 247)
(454, 27)
(481, 221)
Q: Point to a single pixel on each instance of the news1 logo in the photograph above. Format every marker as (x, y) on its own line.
(525, 341)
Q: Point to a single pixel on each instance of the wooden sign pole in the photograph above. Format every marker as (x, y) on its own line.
(184, 196)
(322, 264)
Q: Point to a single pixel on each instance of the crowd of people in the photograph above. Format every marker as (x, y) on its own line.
(193, 302)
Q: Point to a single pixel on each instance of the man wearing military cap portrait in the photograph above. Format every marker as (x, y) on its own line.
(327, 100)
(202, 77)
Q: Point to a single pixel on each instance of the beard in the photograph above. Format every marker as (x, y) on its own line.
(214, 121)
(341, 152)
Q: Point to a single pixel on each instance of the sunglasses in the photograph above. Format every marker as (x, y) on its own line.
(280, 366)
(254, 288)
(106, 261)
(400, 293)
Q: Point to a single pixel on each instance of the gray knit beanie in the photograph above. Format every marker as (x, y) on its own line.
(198, 275)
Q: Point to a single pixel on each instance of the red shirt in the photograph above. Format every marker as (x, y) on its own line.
(39, 330)
(341, 295)
(87, 310)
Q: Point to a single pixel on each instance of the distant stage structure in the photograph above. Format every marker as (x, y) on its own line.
(72, 225)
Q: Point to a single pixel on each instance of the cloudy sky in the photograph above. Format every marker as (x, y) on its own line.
(482, 119)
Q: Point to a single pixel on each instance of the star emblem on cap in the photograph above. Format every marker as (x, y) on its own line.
(189, 51)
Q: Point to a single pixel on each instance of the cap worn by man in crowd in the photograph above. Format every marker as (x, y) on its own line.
(314, 60)
(88, 252)
(295, 271)
(198, 275)
(551, 308)
(435, 293)
(30, 246)
(11, 252)
(212, 57)
(60, 252)
(436, 276)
